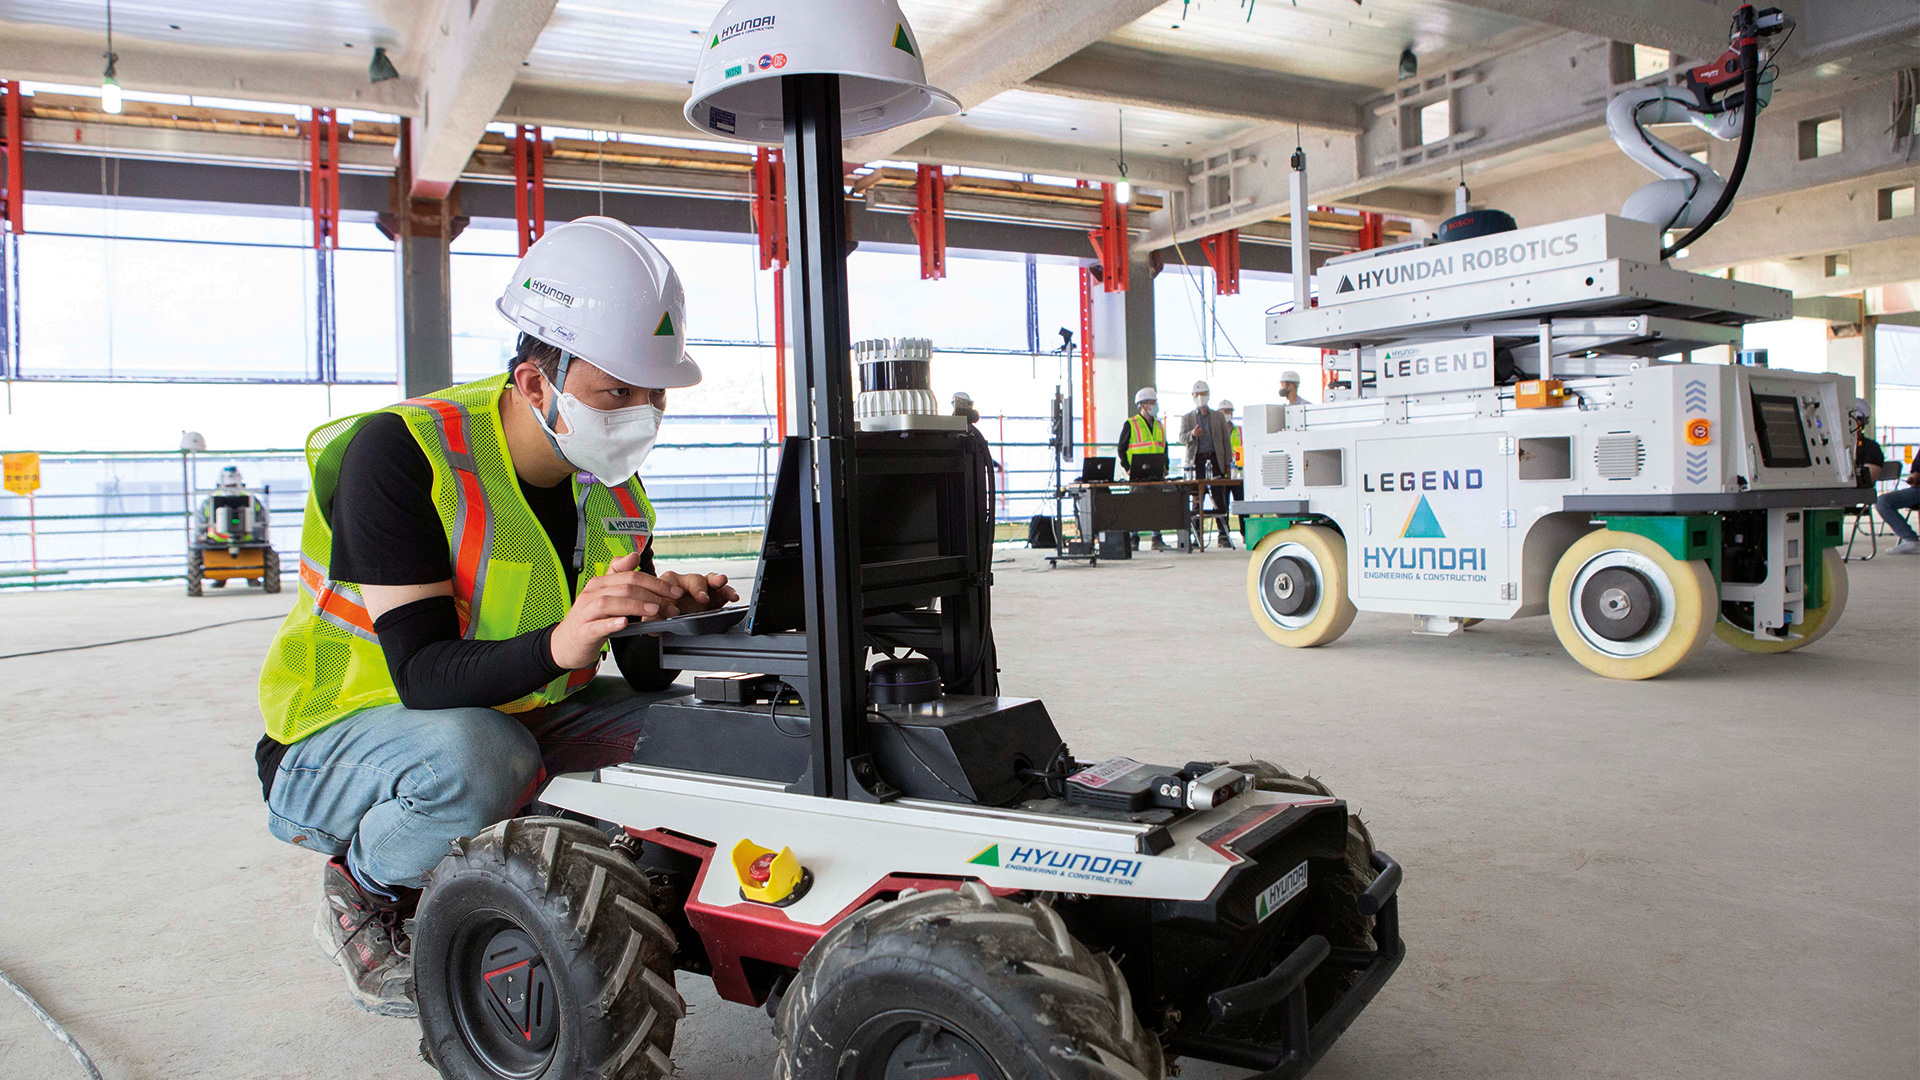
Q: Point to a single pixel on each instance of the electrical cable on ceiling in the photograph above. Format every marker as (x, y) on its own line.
(149, 637)
(54, 1026)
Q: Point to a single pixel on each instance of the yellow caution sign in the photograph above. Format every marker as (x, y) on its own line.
(22, 472)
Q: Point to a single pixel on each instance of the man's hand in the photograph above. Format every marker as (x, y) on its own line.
(704, 592)
(608, 603)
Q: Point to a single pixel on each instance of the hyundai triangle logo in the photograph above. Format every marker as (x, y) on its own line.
(1346, 284)
(1421, 523)
(901, 41)
(665, 329)
(989, 857)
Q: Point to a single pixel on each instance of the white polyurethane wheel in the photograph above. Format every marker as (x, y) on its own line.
(1819, 620)
(1626, 609)
(1283, 564)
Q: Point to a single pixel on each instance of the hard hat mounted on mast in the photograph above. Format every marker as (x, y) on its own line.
(883, 80)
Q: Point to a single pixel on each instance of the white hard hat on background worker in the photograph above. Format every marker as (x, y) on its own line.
(883, 81)
(1145, 393)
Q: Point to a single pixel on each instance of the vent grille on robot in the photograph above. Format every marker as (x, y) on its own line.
(1276, 469)
(1619, 456)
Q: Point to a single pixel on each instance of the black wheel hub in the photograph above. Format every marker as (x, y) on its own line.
(1619, 604)
(1289, 585)
(907, 1044)
(504, 997)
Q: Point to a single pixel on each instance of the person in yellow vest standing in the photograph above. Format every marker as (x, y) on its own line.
(1233, 436)
(1143, 446)
(465, 557)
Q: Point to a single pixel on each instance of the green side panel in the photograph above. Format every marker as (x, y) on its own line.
(1825, 529)
(1257, 528)
(1684, 536)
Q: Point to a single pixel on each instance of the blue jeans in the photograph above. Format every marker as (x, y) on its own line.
(391, 787)
(1892, 503)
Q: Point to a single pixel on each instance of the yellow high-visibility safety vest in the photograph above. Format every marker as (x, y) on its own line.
(325, 661)
(1145, 436)
(1237, 462)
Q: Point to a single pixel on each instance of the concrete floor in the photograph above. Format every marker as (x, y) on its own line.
(1710, 874)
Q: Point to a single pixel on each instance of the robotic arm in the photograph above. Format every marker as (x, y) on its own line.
(1723, 99)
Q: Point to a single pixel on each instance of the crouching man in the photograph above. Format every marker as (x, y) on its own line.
(465, 557)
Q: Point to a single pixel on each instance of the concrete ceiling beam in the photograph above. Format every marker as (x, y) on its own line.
(473, 51)
(1682, 26)
(56, 54)
(1046, 159)
(1023, 40)
(1145, 79)
(637, 109)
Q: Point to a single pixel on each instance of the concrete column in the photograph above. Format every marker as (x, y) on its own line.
(422, 230)
(426, 326)
(1123, 349)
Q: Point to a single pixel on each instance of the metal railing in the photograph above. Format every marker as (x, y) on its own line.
(125, 517)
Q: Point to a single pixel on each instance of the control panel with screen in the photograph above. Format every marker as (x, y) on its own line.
(1783, 440)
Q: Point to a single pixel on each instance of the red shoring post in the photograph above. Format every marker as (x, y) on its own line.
(929, 221)
(1373, 228)
(1087, 432)
(1223, 254)
(13, 190)
(323, 160)
(1110, 242)
(769, 207)
(529, 152)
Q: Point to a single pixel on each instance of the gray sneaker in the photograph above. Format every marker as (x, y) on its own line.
(1905, 547)
(371, 938)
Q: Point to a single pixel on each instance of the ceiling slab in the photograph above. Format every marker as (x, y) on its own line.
(1125, 75)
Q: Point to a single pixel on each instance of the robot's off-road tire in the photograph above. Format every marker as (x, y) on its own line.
(196, 572)
(1819, 620)
(1297, 586)
(536, 954)
(955, 983)
(1332, 902)
(270, 582)
(1626, 609)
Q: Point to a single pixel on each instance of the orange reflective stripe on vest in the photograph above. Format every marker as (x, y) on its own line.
(341, 608)
(470, 524)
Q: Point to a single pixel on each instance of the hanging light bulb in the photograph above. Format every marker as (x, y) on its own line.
(109, 82)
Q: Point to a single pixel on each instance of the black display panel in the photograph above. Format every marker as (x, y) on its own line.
(1783, 442)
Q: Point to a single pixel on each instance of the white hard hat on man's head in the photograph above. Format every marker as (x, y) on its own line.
(752, 43)
(1145, 393)
(1859, 409)
(962, 398)
(1200, 387)
(599, 290)
(1225, 405)
(1290, 377)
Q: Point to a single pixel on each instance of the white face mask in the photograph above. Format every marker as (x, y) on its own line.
(610, 444)
(1149, 410)
(1199, 401)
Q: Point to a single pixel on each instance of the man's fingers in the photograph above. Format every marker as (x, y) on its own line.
(636, 584)
(600, 628)
(625, 563)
